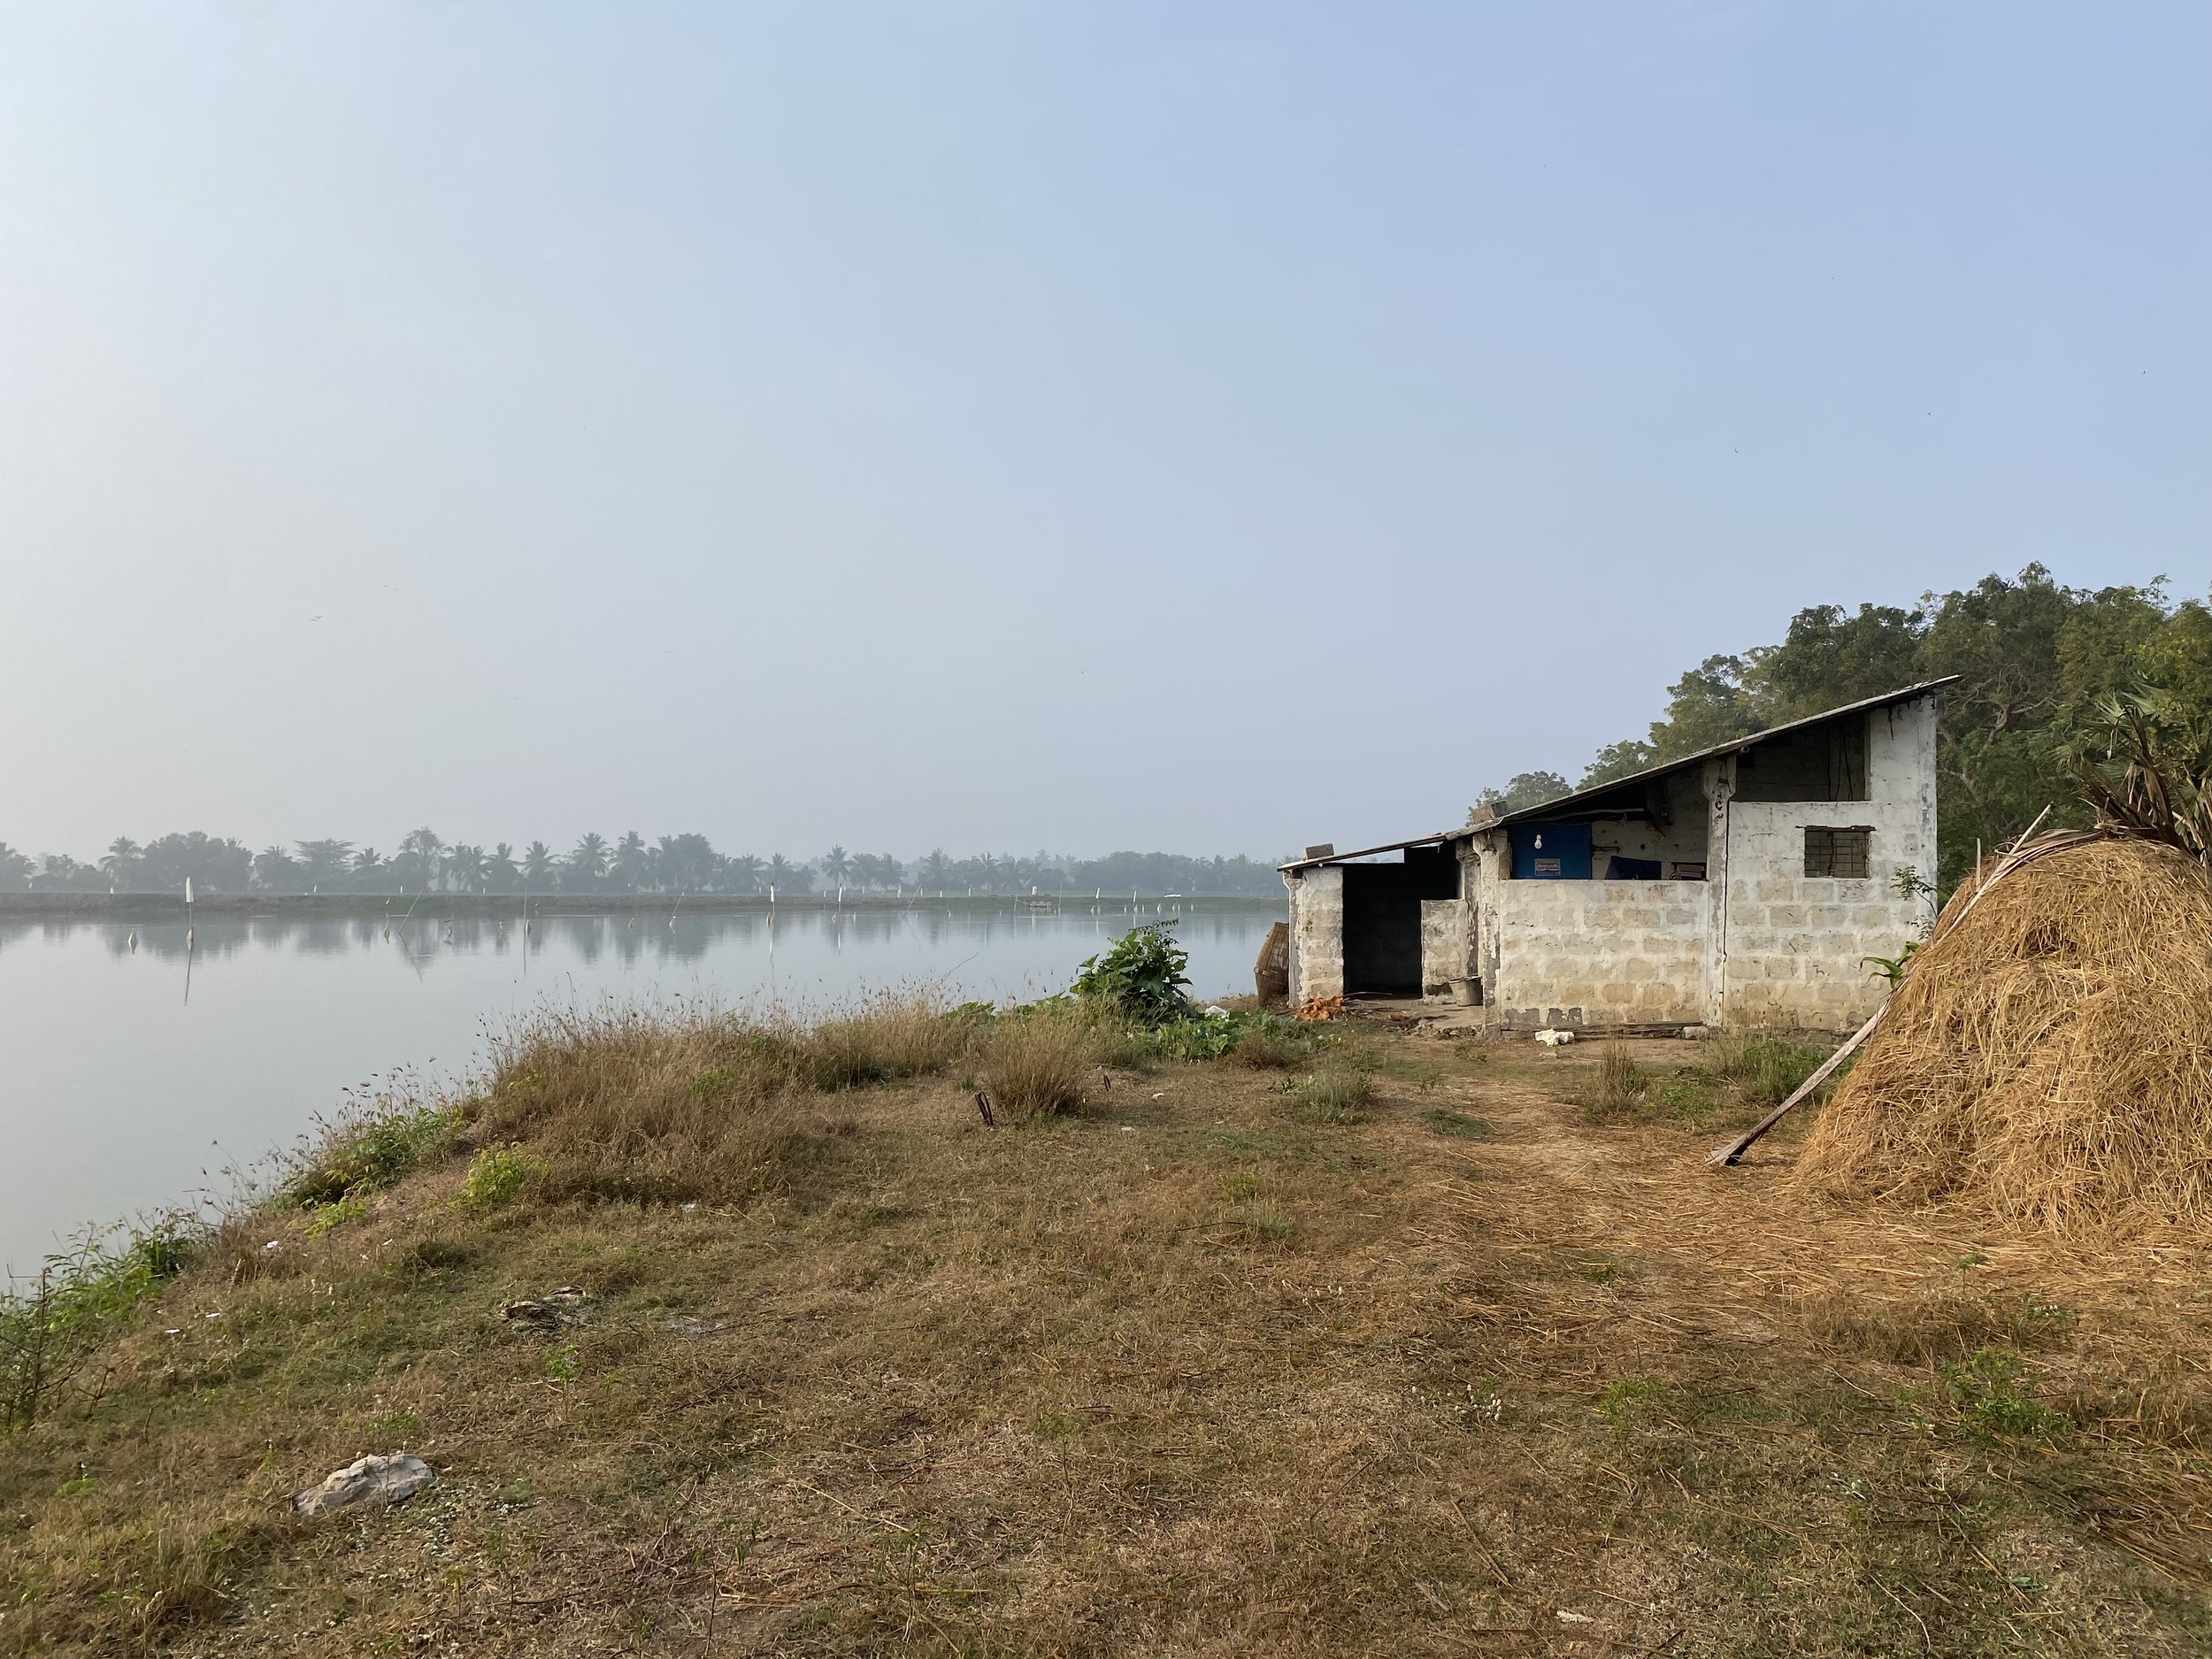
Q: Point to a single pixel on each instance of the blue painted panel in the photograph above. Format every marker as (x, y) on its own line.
(1551, 852)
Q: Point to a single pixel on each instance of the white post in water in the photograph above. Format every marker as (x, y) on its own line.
(187, 889)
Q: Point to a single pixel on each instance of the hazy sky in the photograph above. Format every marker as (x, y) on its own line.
(1201, 427)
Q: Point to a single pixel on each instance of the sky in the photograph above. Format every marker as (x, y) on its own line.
(1210, 427)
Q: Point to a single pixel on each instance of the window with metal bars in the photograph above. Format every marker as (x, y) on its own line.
(1847, 853)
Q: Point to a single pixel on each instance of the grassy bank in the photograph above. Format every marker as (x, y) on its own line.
(1325, 1343)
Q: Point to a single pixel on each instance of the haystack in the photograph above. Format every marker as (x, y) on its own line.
(2048, 1056)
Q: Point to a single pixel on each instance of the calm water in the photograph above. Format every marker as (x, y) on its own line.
(119, 1092)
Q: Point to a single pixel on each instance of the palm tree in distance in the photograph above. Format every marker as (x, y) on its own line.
(630, 863)
(538, 867)
(837, 864)
(500, 873)
(121, 863)
(586, 866)
(742, 873)
(464, 867)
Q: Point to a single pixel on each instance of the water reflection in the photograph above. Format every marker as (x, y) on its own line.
(635, 941)
(112, 1085)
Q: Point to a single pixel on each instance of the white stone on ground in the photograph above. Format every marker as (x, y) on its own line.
(393, 1478)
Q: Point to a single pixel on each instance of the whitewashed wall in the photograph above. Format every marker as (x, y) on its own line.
(1793, 945)
(1445, 954)
(1317, 932)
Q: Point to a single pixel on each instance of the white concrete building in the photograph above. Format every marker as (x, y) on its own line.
(1744, 886)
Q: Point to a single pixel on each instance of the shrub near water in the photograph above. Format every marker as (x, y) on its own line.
(50, 1328)
(1140, 979)
(372, 1147)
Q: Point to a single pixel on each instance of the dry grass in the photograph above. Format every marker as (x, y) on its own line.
(1176, 1372)
(1269, 1047)
(1335, 1093)
(2048, 1058)
(1036, 1063)
(1621, 1083)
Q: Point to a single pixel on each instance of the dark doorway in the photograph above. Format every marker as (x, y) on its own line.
(1382, 919)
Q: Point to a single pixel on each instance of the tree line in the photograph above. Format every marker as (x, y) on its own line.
(426, 863)
(2044, 672)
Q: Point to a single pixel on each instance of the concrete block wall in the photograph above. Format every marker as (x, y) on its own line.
(1794, 946)
(1446, 949)
(1317, 932)
(1599, 953)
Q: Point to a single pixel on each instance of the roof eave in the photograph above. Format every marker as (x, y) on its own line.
(1734, 746)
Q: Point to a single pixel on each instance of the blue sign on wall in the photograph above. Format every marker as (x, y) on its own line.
(1551, 852)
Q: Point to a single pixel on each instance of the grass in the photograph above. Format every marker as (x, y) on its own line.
(1198, 1365)
(1335, 1095)
(1038, 1063)
(1733, 1081)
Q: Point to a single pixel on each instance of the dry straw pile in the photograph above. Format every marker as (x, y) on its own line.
(2048, 1057)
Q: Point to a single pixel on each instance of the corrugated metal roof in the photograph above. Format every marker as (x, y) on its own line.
(1544, 809)
(1369, 852)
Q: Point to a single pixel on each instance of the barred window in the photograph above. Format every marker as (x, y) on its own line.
(1839, 852)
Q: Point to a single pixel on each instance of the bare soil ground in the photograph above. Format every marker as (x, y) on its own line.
(1186, 1373)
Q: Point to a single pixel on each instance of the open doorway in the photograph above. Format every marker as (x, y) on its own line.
(1382, 919)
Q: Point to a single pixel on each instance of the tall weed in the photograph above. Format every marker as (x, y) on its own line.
(1035, 1066)
(51, 1326)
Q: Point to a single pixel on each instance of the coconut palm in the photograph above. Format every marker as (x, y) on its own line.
(586, 866)
(837, 864)
(786, 877)
(121, 862)
(276, 870)
(538, 867)
(464, 867)
(631, 862)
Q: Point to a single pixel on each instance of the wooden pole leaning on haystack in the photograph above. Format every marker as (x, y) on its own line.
(2022, 851)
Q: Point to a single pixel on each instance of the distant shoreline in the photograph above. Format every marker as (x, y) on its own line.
(172, 907)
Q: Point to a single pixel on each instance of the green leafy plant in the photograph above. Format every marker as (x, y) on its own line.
(327, 1218)
(496, 1175)
(1992, 1398)
(2145, 764)
(1140, 977)
(1892, 968)
(370, 1152)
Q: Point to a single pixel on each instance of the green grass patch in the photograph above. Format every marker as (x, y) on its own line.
(1992, 1398)
(1458, 1125)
